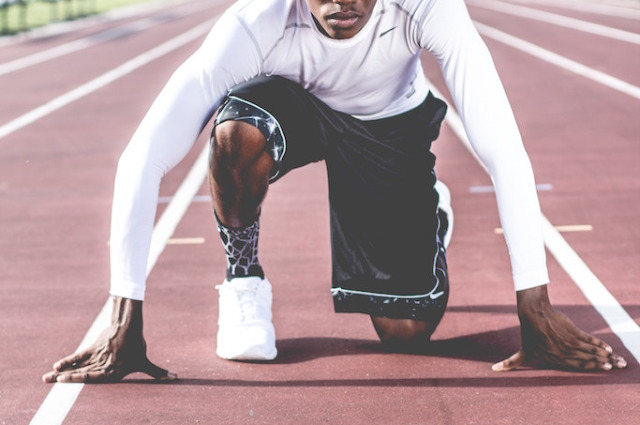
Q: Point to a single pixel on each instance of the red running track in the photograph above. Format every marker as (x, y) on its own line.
(56, 176)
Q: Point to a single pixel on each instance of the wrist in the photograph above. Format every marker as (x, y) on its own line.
(126, 313)
(532, 300)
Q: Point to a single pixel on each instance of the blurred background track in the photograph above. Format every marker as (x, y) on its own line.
(71, 98)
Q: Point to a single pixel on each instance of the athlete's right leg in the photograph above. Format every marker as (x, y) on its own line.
(250, 151)
(238, 179)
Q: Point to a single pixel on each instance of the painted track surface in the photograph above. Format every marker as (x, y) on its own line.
(55, 191)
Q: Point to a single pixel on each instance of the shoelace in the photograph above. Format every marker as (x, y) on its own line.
(247, 300)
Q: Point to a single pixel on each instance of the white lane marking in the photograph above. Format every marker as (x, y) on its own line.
(574, 228)
(94, 39)
(620, 322)
(594, 290)
(585, 6)
(61, 397)
(76, 45)
(541, 187)
(561, 61)
(186, 241)
(105, 79)
(199, 198)
(62, 27)
(559, 20)
(181, 241)
(567, 228)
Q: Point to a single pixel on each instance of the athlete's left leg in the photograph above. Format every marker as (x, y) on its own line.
(401, 333)
(388, 227)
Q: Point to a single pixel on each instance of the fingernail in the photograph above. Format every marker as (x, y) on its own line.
(607, 366)
(497, 367)
(621, 363)
(609, 349)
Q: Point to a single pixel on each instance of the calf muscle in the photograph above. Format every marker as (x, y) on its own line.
(239, 172)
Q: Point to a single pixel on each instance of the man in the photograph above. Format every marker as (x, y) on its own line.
(297, 81)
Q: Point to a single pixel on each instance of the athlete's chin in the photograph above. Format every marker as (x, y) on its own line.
(342, 31)
(343, 35)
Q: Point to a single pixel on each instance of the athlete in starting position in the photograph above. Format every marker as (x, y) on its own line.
(298, 81)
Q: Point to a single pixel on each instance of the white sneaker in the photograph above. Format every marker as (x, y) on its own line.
(245, 329)
(444, 204)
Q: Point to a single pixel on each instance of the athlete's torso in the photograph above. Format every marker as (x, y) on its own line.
(376, 73)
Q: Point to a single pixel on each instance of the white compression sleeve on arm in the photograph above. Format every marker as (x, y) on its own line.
(165, 136)
(489, 122)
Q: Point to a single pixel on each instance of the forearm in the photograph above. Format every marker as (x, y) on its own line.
(162, 140)
(521, 219)
(134, 208)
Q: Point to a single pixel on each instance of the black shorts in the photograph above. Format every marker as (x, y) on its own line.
(387, 257)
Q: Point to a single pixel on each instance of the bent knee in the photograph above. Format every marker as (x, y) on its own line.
(402, 332)
(233, 140)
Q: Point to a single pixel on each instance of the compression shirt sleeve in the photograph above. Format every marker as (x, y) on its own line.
(163, 138)
(468, 69)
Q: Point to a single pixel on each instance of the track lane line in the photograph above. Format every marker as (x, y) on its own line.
(62, 397)
(65, 27)
(105, 79)
(561, 228)
(585, 6)
(98, 38)
(558, 20)
(76, 45)
(558, 60)
(618, 320)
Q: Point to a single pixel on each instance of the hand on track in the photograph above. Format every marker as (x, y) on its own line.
(552, 337)
(119, 351)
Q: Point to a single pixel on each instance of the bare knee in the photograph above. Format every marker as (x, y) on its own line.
(239, 172)
(236, 145)
(402, 332)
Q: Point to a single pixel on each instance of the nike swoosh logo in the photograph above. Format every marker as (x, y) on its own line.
(436, 296)
(388, 31)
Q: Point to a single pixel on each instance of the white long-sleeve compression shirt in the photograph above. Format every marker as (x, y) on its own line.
(375, 74)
